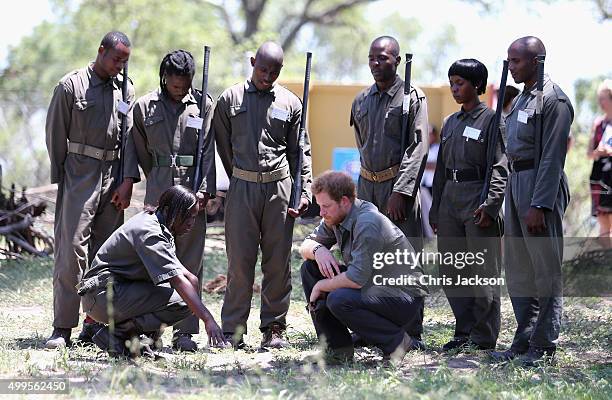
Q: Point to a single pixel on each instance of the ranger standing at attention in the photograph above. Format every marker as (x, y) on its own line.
(84, 141)
(537, 196)
(389, 178)
(165, 135)
(461, 221)
(256, 125)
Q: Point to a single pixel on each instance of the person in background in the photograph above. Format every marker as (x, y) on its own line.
(600, 151)
(432, 157)
(511, 93)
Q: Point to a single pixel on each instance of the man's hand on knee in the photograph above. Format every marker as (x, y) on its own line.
(328, 265)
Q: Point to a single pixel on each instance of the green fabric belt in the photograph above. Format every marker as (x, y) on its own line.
(172, 161)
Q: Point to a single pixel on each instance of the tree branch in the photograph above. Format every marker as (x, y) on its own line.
(325, 17)
(227, 19)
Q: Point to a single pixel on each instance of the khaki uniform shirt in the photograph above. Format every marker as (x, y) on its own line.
(258, 131)
(83, 109)
(377, 119)
(142, 249)
(160, 130)
(557, 117)
(460, 152)
(362, 233)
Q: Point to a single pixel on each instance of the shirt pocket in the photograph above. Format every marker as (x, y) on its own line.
(278, 125)
(526, 131)
(237, 114)
(475, 150)
(156, 135)
(393, 123)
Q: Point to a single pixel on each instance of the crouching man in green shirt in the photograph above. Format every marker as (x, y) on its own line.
(377, 300)
(137, 285)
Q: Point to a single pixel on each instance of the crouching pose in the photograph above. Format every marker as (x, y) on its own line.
(137, 285)
(377, 301)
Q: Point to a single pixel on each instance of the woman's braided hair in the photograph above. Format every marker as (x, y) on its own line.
(177, 62)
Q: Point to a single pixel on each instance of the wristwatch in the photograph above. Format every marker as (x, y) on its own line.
(314, 249)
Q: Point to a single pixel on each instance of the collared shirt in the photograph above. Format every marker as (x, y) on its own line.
(142, 249)
(258, 131)
(83, 110)
(362, 233)
(377, 119)
(557, 117)
(160, 130)
(464, 140)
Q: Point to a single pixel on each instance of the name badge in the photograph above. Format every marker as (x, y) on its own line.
(280, 114)
(195, 122)
(471, 133)
(123, 107)
(522, 117)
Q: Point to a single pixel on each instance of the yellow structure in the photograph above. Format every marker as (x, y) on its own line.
(329, 111)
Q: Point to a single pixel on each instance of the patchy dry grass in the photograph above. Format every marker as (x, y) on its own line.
(582, 370)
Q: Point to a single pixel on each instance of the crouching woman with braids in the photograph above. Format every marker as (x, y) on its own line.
(165, 138)
(137, 285)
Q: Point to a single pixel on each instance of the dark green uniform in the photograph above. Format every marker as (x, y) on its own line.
(377, 119)
(533, 261)
(83, 141)
(257, 137)
(457, 184)
(138, 259)
(165, 140)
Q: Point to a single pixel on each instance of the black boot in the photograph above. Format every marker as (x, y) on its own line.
(59, 338)
(88, 332)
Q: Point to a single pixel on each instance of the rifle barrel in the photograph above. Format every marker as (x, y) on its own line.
(124, 96)
(197, 176)
(406, 103)
(539, 106)
(297, 179)
(492, 140)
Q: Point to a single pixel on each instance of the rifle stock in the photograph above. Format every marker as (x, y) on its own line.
(296, 192)
(492, 140)
(124, 96)
(197, 176)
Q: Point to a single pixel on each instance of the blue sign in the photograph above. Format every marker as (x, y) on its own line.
(346, 159)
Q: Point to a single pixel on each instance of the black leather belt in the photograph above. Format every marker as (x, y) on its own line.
(464, 175)
(521, 165)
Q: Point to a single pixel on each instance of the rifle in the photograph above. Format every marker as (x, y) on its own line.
(538, 111)
(406, 105)
(296, 192)
(199, 150)
(492, 142)
(124, 96)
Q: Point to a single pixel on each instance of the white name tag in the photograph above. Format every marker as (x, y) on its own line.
(123, 107)
(406, 103)
(195, 122)
(280, 114)
(471, 133)
(522, 117)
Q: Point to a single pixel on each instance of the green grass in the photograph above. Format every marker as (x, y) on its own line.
(582, 370)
